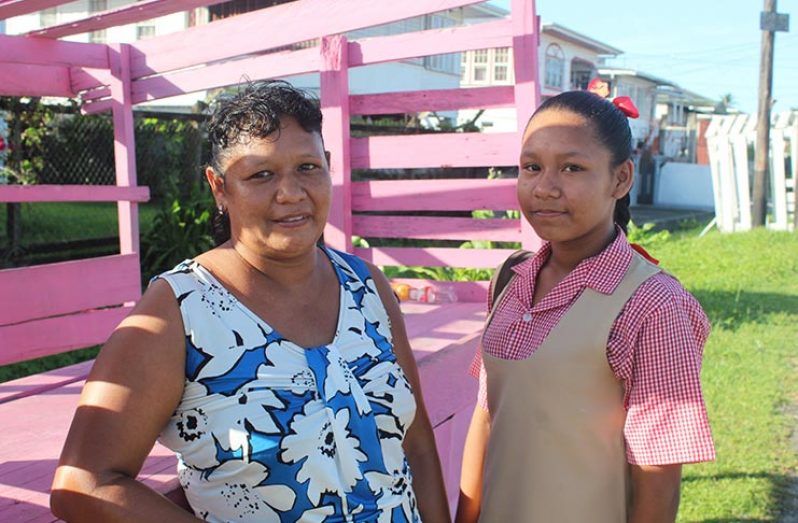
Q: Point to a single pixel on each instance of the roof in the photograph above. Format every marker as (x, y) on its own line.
(612, 72)
(570, 35)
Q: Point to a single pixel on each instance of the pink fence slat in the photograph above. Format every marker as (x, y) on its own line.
(334, 82)
(228, 73)
(288, 24)
(142, 10)
(43, 51)
(44, 381)
(435, 150)
(434, 100)
(34, 80)
(96, 94)
(72, 193)
(36, 339)
(435, 228)
(85, 78)
(435, 41)
(434, 195)
(435, 257)
(100, 106)
(66, 287)
(12, 8)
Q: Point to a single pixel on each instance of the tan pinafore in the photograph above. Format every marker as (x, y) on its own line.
(556, 452)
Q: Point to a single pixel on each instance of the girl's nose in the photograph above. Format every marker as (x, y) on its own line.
(547, 185)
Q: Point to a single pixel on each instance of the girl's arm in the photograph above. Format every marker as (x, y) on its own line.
(419, 444)
(470, 501)
(655, 493)
(130, 394)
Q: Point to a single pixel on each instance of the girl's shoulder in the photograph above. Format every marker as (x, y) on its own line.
(664, 291)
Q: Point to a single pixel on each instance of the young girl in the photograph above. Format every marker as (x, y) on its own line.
(590, 398)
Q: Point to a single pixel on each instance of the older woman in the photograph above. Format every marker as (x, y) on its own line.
(278, 370)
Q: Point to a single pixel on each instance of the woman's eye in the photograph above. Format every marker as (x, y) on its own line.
(262, 175)
(308, 167)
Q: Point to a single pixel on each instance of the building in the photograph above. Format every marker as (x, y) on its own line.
(567, 60)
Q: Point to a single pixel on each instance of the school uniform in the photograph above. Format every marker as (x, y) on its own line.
(601, 373)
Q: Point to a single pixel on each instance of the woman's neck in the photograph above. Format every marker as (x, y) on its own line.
(283, 271)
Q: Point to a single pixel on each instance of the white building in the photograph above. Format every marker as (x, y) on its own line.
(567, 60)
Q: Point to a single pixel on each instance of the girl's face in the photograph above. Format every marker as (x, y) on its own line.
(276, 191)
(567, 185)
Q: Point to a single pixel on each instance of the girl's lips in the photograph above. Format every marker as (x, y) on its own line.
(548, 214)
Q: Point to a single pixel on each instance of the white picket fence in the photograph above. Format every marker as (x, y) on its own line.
(730, 143)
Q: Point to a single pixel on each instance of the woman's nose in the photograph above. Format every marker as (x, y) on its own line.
(289, 188)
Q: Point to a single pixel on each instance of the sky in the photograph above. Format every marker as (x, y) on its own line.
(710, 47)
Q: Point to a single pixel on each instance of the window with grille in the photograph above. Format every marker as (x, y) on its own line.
(145, 31)
(554, 67)
(48, 17)
(96, 6)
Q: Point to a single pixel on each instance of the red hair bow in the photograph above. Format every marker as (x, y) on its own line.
(626, 105)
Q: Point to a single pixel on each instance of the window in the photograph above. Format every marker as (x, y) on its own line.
(96, 6)
(554, 67)
(48, 17)
(582, 72)
(501, 59)
(145, 31)
(97, 37)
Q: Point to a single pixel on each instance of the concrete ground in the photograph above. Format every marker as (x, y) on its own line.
(668, 218)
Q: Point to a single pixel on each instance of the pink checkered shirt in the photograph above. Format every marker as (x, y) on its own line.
(655, 348)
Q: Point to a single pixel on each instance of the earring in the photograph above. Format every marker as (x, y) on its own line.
(220, 210)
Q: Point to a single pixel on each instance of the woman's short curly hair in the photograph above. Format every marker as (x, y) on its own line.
(255, 112)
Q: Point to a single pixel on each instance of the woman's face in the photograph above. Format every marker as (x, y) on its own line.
(277, 191)
(567, 185)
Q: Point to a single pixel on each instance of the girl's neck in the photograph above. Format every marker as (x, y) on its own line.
(565, 256)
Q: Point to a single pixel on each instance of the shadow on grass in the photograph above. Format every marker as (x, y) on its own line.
(729, 309)
(782, 486)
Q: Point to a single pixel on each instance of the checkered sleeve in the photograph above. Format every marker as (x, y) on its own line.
(666, 420)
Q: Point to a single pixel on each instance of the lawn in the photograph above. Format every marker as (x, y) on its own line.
(748, 285)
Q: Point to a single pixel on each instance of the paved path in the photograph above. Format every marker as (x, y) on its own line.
(667, 218)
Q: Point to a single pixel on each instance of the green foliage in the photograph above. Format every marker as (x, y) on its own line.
(181, 229)
(28, 122)
(646, 236)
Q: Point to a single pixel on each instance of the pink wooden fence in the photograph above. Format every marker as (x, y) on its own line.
(218, 54)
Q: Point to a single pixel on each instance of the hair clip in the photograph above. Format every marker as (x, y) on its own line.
(626, 105)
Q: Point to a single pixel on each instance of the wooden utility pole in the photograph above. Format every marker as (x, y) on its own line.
(770, 22)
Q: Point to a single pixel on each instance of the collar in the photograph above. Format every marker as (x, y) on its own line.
(602, 272)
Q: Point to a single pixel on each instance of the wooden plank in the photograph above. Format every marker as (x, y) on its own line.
(435, 195)
(430, 42)
(44, 381)
(433, 100)
(85, 78)
(124, 145)
(526, 41)
(334, 82)
(40, 338)
(11, 8)
(97, 107)
(435, 257)
(53, 289)
(43, 51)
(435, 150)
(72, 193)
(129, 14)
(35, 80)
(273, 65)
(437, 228)
(288, 24)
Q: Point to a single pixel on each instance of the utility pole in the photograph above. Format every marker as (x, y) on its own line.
(769, 23)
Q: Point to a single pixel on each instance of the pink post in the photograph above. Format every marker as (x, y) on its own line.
(124, 144)
(526, 39)
(335, 106)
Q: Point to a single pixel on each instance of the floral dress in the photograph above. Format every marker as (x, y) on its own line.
(268, 431)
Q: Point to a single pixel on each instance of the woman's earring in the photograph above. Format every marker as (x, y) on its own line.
(220, 210)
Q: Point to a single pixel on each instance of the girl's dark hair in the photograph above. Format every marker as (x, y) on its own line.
(255, 112)
(611, 127)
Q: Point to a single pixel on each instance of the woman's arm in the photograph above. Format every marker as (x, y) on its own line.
(419, 442)
(476, 443)
(130, 394)
(655, 493)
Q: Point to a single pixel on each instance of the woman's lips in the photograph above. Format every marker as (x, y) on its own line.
(293, 221)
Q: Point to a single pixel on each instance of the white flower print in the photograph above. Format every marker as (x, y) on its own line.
(340, 379)
(329, 452)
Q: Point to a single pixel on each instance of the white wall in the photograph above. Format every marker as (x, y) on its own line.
(684, 185)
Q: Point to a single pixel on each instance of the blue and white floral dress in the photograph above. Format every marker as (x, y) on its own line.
(271, 431)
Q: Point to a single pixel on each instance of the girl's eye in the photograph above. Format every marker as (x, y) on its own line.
(531, 167)
(571, 168)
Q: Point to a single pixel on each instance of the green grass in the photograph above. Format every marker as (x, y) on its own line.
(748, 286)
(53, 222)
